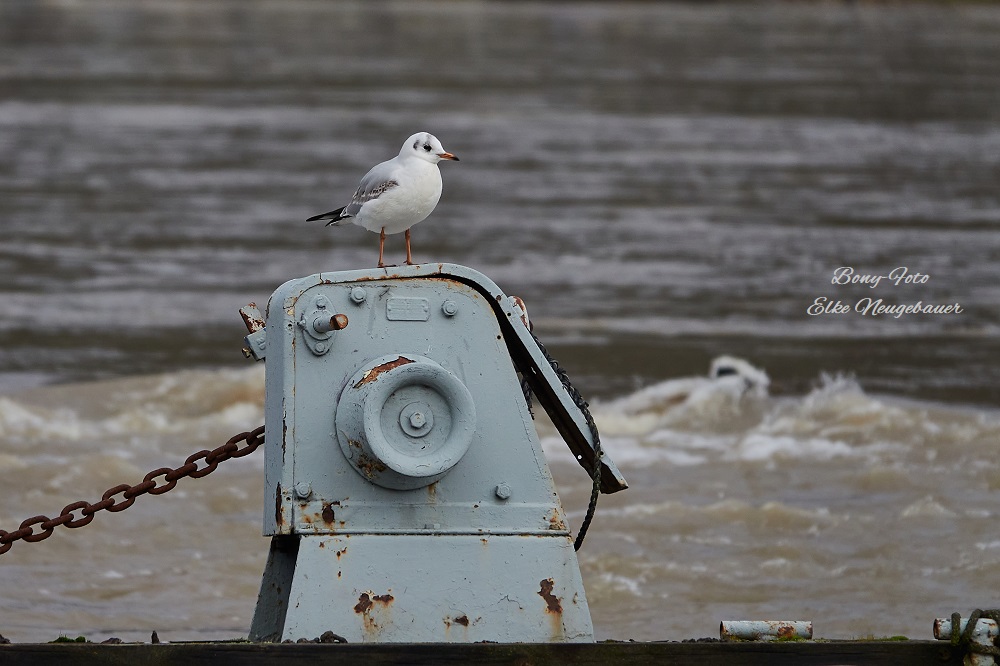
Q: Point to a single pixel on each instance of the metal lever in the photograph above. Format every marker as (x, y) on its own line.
(323, 324)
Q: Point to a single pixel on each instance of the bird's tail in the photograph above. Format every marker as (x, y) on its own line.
(335, 217)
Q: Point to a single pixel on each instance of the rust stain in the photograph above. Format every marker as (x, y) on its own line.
(786, 631)
(370, 466)
(367, 601)
(328, 513)
(368, 607)
(432, 492)
(374, 373)
(364, 603)
(253, 323)
(284, 438)
(387, 276)
(552, 604)
(462, 620)
(524, 309)
(279, 511)
(555, 521)
(341, 552)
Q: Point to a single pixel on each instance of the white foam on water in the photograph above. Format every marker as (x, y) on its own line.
(125, 411)
(927, 507)
(731, 418)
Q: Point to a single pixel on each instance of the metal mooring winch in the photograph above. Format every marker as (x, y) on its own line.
(406, 490)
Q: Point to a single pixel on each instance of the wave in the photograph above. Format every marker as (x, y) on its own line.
(727, 416)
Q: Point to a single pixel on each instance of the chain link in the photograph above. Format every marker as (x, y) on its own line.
(128, 494)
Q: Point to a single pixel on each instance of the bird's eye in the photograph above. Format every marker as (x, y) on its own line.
(427, 147)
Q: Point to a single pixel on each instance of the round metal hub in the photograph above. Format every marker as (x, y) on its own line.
(404, 421)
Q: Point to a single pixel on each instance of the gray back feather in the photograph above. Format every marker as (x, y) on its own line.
(372, 187)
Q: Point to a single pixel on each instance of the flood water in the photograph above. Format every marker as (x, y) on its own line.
(663, 184)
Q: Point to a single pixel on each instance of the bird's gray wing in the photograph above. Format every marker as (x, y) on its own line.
(375, 183)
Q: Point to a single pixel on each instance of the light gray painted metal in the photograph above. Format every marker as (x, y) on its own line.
(985, 633)
(401, 460)
(765, 630)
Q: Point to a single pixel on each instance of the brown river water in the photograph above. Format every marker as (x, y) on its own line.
(663, 184)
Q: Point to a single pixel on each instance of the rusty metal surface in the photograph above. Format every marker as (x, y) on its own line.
(410, 588)
(129, 493)
(252, 317)
(514, 334)
(373, 374)
(765, 630)
(409, 469)
(311, 389)
(976, 634)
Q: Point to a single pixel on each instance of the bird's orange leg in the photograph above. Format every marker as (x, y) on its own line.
(381, 247)
(409, 257)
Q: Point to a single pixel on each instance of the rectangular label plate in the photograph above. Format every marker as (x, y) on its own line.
(399, 308)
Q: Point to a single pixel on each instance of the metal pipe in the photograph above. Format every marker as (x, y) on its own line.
(765, 630)
(326, 324)
(984, 633)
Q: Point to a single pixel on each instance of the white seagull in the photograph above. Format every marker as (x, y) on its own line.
(396, 194)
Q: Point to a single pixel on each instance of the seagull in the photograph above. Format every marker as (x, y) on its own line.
(397, 193)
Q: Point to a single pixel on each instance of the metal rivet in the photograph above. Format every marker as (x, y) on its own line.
(358, 295)
(449, 308)
(321, 347)
(322, 302)
(303, 489)
(503, 491)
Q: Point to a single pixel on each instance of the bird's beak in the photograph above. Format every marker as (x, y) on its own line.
(447, 156)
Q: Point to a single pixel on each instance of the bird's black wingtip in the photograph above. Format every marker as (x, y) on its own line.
(333, 216)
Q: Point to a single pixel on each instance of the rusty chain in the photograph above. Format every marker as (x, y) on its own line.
(231, 449)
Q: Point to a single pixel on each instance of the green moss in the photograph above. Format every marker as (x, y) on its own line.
(881, 639)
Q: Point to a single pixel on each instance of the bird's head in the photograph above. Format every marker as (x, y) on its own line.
(425, 146)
